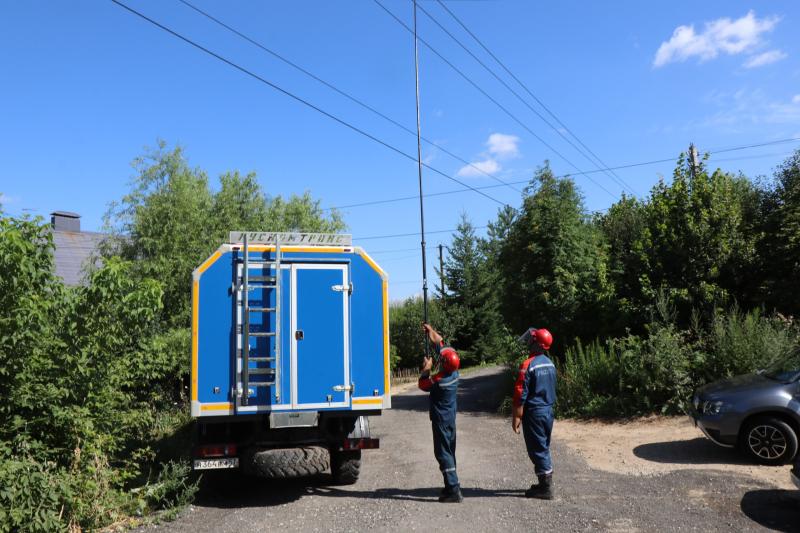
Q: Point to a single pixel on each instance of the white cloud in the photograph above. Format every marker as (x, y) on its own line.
(723, 35)
(766, 58)
(7, 200)
(740, 110)
(499, 146)
(479, 168)
(502, 145)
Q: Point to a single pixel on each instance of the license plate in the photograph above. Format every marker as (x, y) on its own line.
(211, 464)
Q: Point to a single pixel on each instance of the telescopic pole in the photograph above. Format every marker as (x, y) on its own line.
(419, 172)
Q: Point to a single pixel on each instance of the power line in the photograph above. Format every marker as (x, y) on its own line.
(520, 98)
(489, 97)
(300, 100)
(350, 97)
(409, 234)
(547, 109)
(757, 145)
(619, 167)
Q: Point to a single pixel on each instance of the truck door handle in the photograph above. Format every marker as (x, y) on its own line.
(298, 335)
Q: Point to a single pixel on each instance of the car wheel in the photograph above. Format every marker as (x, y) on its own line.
(769, 441)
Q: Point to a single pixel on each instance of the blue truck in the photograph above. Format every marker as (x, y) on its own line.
(290, 355)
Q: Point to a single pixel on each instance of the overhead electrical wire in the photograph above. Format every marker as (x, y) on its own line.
(619, 167)
(415, 234)
(341, 92)
(524, 102)
(490, 98)
(300, 100)
(539, 101)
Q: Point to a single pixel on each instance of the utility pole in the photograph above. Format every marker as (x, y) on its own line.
(693, 159)
(441, 273)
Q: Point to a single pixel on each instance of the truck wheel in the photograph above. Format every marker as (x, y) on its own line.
(769, 440)
(345, 466)
(283, 463)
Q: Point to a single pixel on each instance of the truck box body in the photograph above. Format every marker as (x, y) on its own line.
(323, 346)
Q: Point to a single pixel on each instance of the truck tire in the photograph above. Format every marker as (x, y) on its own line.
(345, 466)
(284, 463)
(769, 440)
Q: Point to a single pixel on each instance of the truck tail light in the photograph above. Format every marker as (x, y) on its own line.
(215, 450)
(361, 444)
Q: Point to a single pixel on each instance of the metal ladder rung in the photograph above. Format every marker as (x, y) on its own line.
(262, 384)
(261, 278)
(261, 371)
(262, 359)
(261, 334)
(261, 309)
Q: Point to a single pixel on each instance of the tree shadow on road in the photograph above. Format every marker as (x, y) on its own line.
(699, 451)
(480, 394)
(774, 509)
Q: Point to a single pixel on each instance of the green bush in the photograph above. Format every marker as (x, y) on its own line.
(739, 343)
(657, 372)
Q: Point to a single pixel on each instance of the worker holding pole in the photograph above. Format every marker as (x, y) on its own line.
(443, 388)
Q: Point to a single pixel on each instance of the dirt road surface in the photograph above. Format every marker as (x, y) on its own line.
(400, 482)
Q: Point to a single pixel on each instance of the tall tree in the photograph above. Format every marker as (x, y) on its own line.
(554, 263)
(171, 221)
(697, 240)
(471, 299)
(779, 248)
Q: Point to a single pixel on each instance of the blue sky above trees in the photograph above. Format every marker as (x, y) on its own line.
(87, 86)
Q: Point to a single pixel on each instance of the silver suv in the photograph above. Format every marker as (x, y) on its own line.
(759, 413)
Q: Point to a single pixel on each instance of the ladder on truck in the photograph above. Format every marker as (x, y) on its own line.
(245, 285)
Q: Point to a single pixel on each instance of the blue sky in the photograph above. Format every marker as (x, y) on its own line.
(86, 86)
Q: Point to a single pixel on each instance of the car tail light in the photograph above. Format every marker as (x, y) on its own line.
(361, 444)
(215, 450)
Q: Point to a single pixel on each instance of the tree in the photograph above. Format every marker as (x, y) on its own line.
(171, 221)
(779, 247)
(471, 303)
(624, 228)
(554, 263)
(698, 246)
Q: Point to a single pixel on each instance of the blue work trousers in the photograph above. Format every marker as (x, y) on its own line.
(444, 448)
(537, 425)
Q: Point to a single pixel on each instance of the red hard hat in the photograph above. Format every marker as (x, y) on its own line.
(449, 359)
(542, 337)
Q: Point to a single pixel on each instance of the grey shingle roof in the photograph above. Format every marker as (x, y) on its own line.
(73, 249)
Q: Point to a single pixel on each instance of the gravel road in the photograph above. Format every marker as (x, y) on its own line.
(400, 483)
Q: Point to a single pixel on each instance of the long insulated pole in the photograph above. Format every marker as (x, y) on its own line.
(419, 172)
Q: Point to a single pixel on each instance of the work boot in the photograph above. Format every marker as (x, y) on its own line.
(542, 491)
(451, 495)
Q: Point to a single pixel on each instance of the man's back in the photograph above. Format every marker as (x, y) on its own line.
(536, 383)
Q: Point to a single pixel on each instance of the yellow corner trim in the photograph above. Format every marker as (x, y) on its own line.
(216, 407)
(208, 262)
(358, 401)
(373, 265)
(195, 329)
(386, 380)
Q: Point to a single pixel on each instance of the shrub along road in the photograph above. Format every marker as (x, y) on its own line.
(400, 483)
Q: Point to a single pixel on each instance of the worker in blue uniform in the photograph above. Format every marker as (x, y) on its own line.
(443, 388)
(533, 400)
